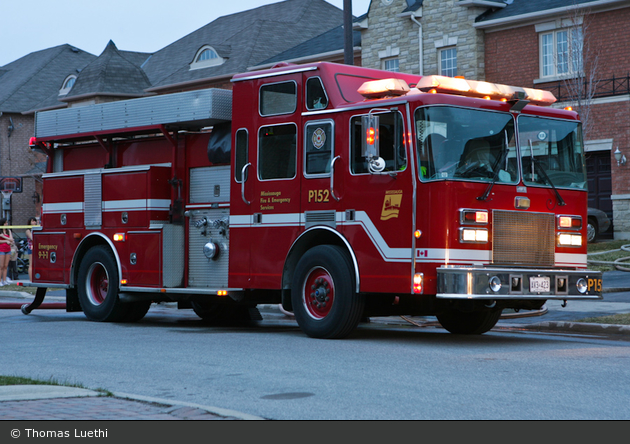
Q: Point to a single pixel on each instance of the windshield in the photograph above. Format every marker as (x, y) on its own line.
(465, 144)
(551, 152)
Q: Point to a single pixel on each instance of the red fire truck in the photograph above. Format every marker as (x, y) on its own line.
(337, 191)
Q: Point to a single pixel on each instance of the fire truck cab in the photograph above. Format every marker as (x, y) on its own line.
(337, 191)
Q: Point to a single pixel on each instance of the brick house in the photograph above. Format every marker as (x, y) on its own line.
(27, 84)
(553, 44)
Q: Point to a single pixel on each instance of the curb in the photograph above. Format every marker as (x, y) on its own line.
(579, 327)
(227, 413)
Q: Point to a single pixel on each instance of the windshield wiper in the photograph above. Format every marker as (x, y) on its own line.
(495, 170)
(545, 176)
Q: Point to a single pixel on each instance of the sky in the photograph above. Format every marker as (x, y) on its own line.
(133, 25)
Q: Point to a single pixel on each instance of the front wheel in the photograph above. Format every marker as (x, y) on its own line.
(325, 302)
(97, 286)
(469, 323)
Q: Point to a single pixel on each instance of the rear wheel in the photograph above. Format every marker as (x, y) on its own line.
(325, 303)
(469, 323)
(97, 287)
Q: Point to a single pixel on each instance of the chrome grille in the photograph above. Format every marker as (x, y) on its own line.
(521, 238)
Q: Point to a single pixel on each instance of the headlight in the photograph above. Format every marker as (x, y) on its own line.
(569, 240)
(474, 235)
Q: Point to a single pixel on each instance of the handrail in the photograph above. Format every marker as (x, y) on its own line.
(247, 165)
(332, 178)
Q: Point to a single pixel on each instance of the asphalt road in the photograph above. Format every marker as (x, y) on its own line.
(272, 370)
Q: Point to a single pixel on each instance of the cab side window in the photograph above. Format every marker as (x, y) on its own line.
(277, 151)
(316, 97)
(318, 147)
(278, 98)
(391, 143)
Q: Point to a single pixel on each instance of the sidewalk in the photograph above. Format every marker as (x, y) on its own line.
(45, 402)
(50, 402)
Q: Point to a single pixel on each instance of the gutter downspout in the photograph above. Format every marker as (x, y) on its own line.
(420, 44)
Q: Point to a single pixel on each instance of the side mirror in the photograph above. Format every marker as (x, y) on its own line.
(370, 143)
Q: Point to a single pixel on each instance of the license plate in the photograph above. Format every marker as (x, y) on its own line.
(539, 284)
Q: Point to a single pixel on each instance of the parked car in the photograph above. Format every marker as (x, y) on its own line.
(598, 222)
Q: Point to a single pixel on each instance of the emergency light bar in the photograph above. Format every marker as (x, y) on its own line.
(486, 90)
(375, 89)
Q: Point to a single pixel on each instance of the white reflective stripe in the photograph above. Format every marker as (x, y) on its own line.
(63, 207)
(388, 253)
(137, 205)
(110, 205)
(158, 204)
(296, 219)
(453, 255)
(268, 220)
(280, 220)
(240, 221)
(570, 260)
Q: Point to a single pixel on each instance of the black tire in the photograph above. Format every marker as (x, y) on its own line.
(469, 323)
(592, 230)
(224, 312)
(135, 311)
(325, 303)
(211, 311)
(98, 287)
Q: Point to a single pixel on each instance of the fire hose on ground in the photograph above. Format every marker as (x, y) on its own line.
(37, 303)
(617, 263)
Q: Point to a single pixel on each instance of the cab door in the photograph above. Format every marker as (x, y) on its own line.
(379, 198)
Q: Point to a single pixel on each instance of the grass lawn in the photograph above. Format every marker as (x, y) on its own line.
(19, 380)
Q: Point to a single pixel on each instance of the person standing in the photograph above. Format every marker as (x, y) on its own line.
(6, 241)
(29, 246)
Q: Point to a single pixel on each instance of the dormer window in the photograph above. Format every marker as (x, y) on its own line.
(67, 85)
(205, 57)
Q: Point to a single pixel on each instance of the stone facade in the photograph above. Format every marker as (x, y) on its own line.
(410, 36)
(388, 35)
(446, 24)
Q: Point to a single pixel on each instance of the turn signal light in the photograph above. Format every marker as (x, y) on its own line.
(418, 281)
(474, 217)
(574, 222)
(120, 237)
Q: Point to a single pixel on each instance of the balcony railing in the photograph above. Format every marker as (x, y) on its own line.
(604, 88)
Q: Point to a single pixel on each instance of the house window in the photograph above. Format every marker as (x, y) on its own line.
(391, 64)
(205, 57)
(67, 85)
(561, 52)
(448, 62)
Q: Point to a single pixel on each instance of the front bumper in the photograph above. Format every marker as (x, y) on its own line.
(469, 282)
